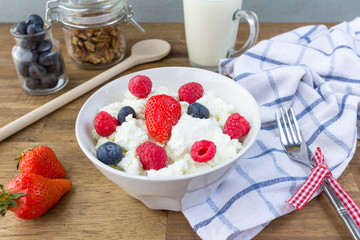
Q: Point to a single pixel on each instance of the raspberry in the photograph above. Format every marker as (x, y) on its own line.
(203, 151)
(140, 86)
(190, 92)
(162, 112)
(105, 124)
(151, 155)
(236, 126)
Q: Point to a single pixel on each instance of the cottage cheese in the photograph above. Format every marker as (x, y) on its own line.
(133, 132)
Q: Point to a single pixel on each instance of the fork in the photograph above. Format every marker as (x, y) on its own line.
(291, 140)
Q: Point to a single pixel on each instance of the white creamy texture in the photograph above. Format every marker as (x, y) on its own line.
(188, 130)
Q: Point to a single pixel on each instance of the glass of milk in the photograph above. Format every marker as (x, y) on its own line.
(211, 28)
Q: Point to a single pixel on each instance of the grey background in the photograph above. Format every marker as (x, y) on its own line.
(172, 10)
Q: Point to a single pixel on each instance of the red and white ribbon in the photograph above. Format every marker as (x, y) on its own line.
(309, 187)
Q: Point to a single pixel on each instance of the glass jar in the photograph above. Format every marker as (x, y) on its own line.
(93, 29)
(38, 61)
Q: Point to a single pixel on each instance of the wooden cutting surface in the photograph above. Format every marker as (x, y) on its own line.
(96, 208)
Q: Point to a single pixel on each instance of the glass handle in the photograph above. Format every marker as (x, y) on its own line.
(252, 19)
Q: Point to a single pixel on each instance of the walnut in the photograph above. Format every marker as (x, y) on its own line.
(97, 46)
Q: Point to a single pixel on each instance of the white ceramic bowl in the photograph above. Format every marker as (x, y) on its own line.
(169, 193)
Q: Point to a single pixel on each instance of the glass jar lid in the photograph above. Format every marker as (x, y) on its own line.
(89, 13)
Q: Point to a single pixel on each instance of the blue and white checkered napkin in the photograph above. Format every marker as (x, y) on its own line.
(316, 71)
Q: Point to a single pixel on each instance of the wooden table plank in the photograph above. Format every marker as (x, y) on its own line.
(95, 208)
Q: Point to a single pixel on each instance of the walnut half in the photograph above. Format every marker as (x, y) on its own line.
(99, 46)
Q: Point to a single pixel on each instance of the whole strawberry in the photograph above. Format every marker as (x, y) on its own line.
(30, 195)
(162, 112)
(41, 160)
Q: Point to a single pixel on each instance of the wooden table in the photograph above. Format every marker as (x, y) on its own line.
(96, 208)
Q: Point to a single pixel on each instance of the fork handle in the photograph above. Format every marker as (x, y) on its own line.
(341, 210)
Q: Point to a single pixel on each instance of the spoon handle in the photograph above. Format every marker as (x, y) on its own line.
(67, 97)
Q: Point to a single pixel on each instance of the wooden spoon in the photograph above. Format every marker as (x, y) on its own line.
(141, 52)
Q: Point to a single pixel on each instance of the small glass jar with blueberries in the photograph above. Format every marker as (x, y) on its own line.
(37, 57)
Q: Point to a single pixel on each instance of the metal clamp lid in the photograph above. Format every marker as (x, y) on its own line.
(129, 17)
(67, 15)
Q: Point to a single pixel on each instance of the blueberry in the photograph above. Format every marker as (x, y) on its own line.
(31, 29)
(34, 19)
(109, 153)
(36, 70)
(29, 43)
(198, 110)
(57, 68)
(124, 112)
(49, 80)
(34, 56)
(23, 69)
(48, 58)
(33, 83)
(21, 28)
(44, 46)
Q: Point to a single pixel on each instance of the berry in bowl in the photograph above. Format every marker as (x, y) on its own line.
(168, 136)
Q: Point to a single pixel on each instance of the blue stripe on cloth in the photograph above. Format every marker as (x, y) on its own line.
(332, 60)
(340, 79)
(244, 75)
(226, 62)
(265, 59)
(268, 127)
(223, 219)
(333, 50)
(306, 35)
(263, 148)
(273, 85)
(308, 108)
(278, 101)
(267, 151)
(242, 193)
(321, 128)
(266, 51)
(261, 195)
(301, 55)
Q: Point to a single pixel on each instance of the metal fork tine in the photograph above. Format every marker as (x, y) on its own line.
(291, 122)
(297, 133)
(281, 130)
(287, 126)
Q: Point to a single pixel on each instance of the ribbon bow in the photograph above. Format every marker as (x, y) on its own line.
(316, 177)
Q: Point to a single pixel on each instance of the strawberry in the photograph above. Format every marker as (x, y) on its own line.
(162, 112)
(41, 160)
(30, 195)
